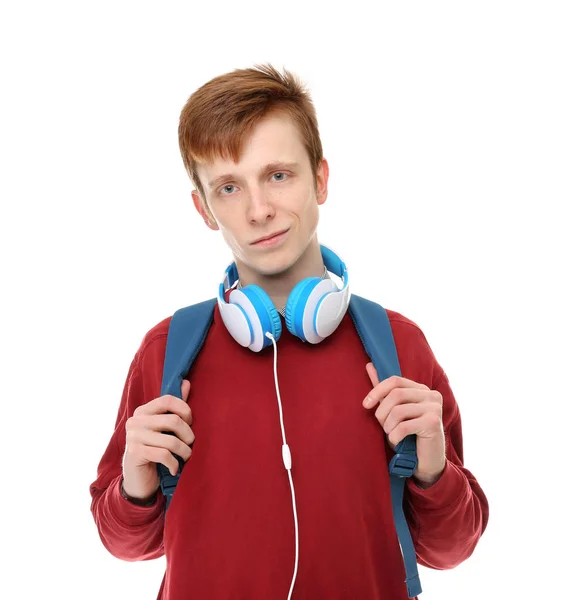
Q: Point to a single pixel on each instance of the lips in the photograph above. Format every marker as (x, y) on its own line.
(269, 237)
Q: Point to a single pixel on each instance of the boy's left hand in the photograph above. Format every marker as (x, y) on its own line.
(406, 407)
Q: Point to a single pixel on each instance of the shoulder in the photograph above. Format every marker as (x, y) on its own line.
(416, 358)
(157, 331)
(153, 343)
(400, 322)
(405, 328)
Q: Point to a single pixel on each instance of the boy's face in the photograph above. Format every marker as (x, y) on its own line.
(270, 190)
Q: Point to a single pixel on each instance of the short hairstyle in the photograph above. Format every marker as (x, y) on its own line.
(218, 117)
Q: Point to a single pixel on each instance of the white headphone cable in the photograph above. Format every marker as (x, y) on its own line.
(286, 455)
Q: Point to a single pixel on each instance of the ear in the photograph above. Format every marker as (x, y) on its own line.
(322, 182)
(201, 208)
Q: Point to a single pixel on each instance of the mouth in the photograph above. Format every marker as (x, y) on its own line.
(271, 240)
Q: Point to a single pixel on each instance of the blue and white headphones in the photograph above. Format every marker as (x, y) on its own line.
(315, 307)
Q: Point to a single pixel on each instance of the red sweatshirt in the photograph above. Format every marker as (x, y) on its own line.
(229, 532)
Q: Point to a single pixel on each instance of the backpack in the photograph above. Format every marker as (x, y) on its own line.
(186, 336)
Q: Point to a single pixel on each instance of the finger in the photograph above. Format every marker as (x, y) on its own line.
(427, 425)
(169, 422)
(373, 375)
(162, 456)
(185, 389)
(385, 387)
(403, 429)
(400, 413)
(166, 404)
(153, 439)
(399, 396)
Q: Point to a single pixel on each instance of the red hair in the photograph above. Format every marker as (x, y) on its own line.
(218, 118)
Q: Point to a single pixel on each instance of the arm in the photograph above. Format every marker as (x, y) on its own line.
(448, 518)
(129, 531)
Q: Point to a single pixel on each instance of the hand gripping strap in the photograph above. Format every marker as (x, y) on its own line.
(186, 334)
(188, 329)
(374, 329)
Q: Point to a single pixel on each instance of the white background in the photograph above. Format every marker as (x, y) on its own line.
(442, 125)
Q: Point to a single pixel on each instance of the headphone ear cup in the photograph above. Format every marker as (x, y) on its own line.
(296, 303)
(265, 310)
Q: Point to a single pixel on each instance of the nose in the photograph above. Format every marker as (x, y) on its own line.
(260, 207)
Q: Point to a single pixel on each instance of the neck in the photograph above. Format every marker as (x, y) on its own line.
(278, 286)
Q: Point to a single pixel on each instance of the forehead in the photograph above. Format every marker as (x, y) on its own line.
(274, 139)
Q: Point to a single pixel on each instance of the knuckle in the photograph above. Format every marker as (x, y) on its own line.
(162, 454)
(131, 425)
(393, 420)
(399, 432)
(160, 402)
(132, 436)
(438, 410)
(379, 413)
(398, 393)
(175, 421)
(182, 451)
(398, 411)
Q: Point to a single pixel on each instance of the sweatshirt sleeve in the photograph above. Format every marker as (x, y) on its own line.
(128, 531)
(448, 518)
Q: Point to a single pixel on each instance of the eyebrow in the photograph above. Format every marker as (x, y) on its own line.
(273, 166)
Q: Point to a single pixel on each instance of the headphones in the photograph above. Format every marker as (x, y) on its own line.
(315, 307)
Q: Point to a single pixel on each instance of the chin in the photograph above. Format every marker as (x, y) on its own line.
(277, 262)
(270, 268)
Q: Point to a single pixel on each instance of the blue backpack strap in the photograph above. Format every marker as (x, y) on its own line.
(374, 329)
(188, 329)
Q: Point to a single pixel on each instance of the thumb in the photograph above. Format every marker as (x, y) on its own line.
(372, 372)
(185, 390)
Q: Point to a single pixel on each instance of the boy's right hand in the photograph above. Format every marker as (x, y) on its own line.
(146, 445)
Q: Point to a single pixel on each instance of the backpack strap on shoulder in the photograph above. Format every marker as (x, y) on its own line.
(188, 329)
(373, 327)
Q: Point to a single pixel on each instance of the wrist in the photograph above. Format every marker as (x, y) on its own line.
(426, 482)
(424, 485)
(146, 501)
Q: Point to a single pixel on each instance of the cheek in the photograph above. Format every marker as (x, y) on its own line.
(313, 216)
(305, 206)
(230, 237)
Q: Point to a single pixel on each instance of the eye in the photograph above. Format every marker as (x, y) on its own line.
(283, 174)
(230, 186)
